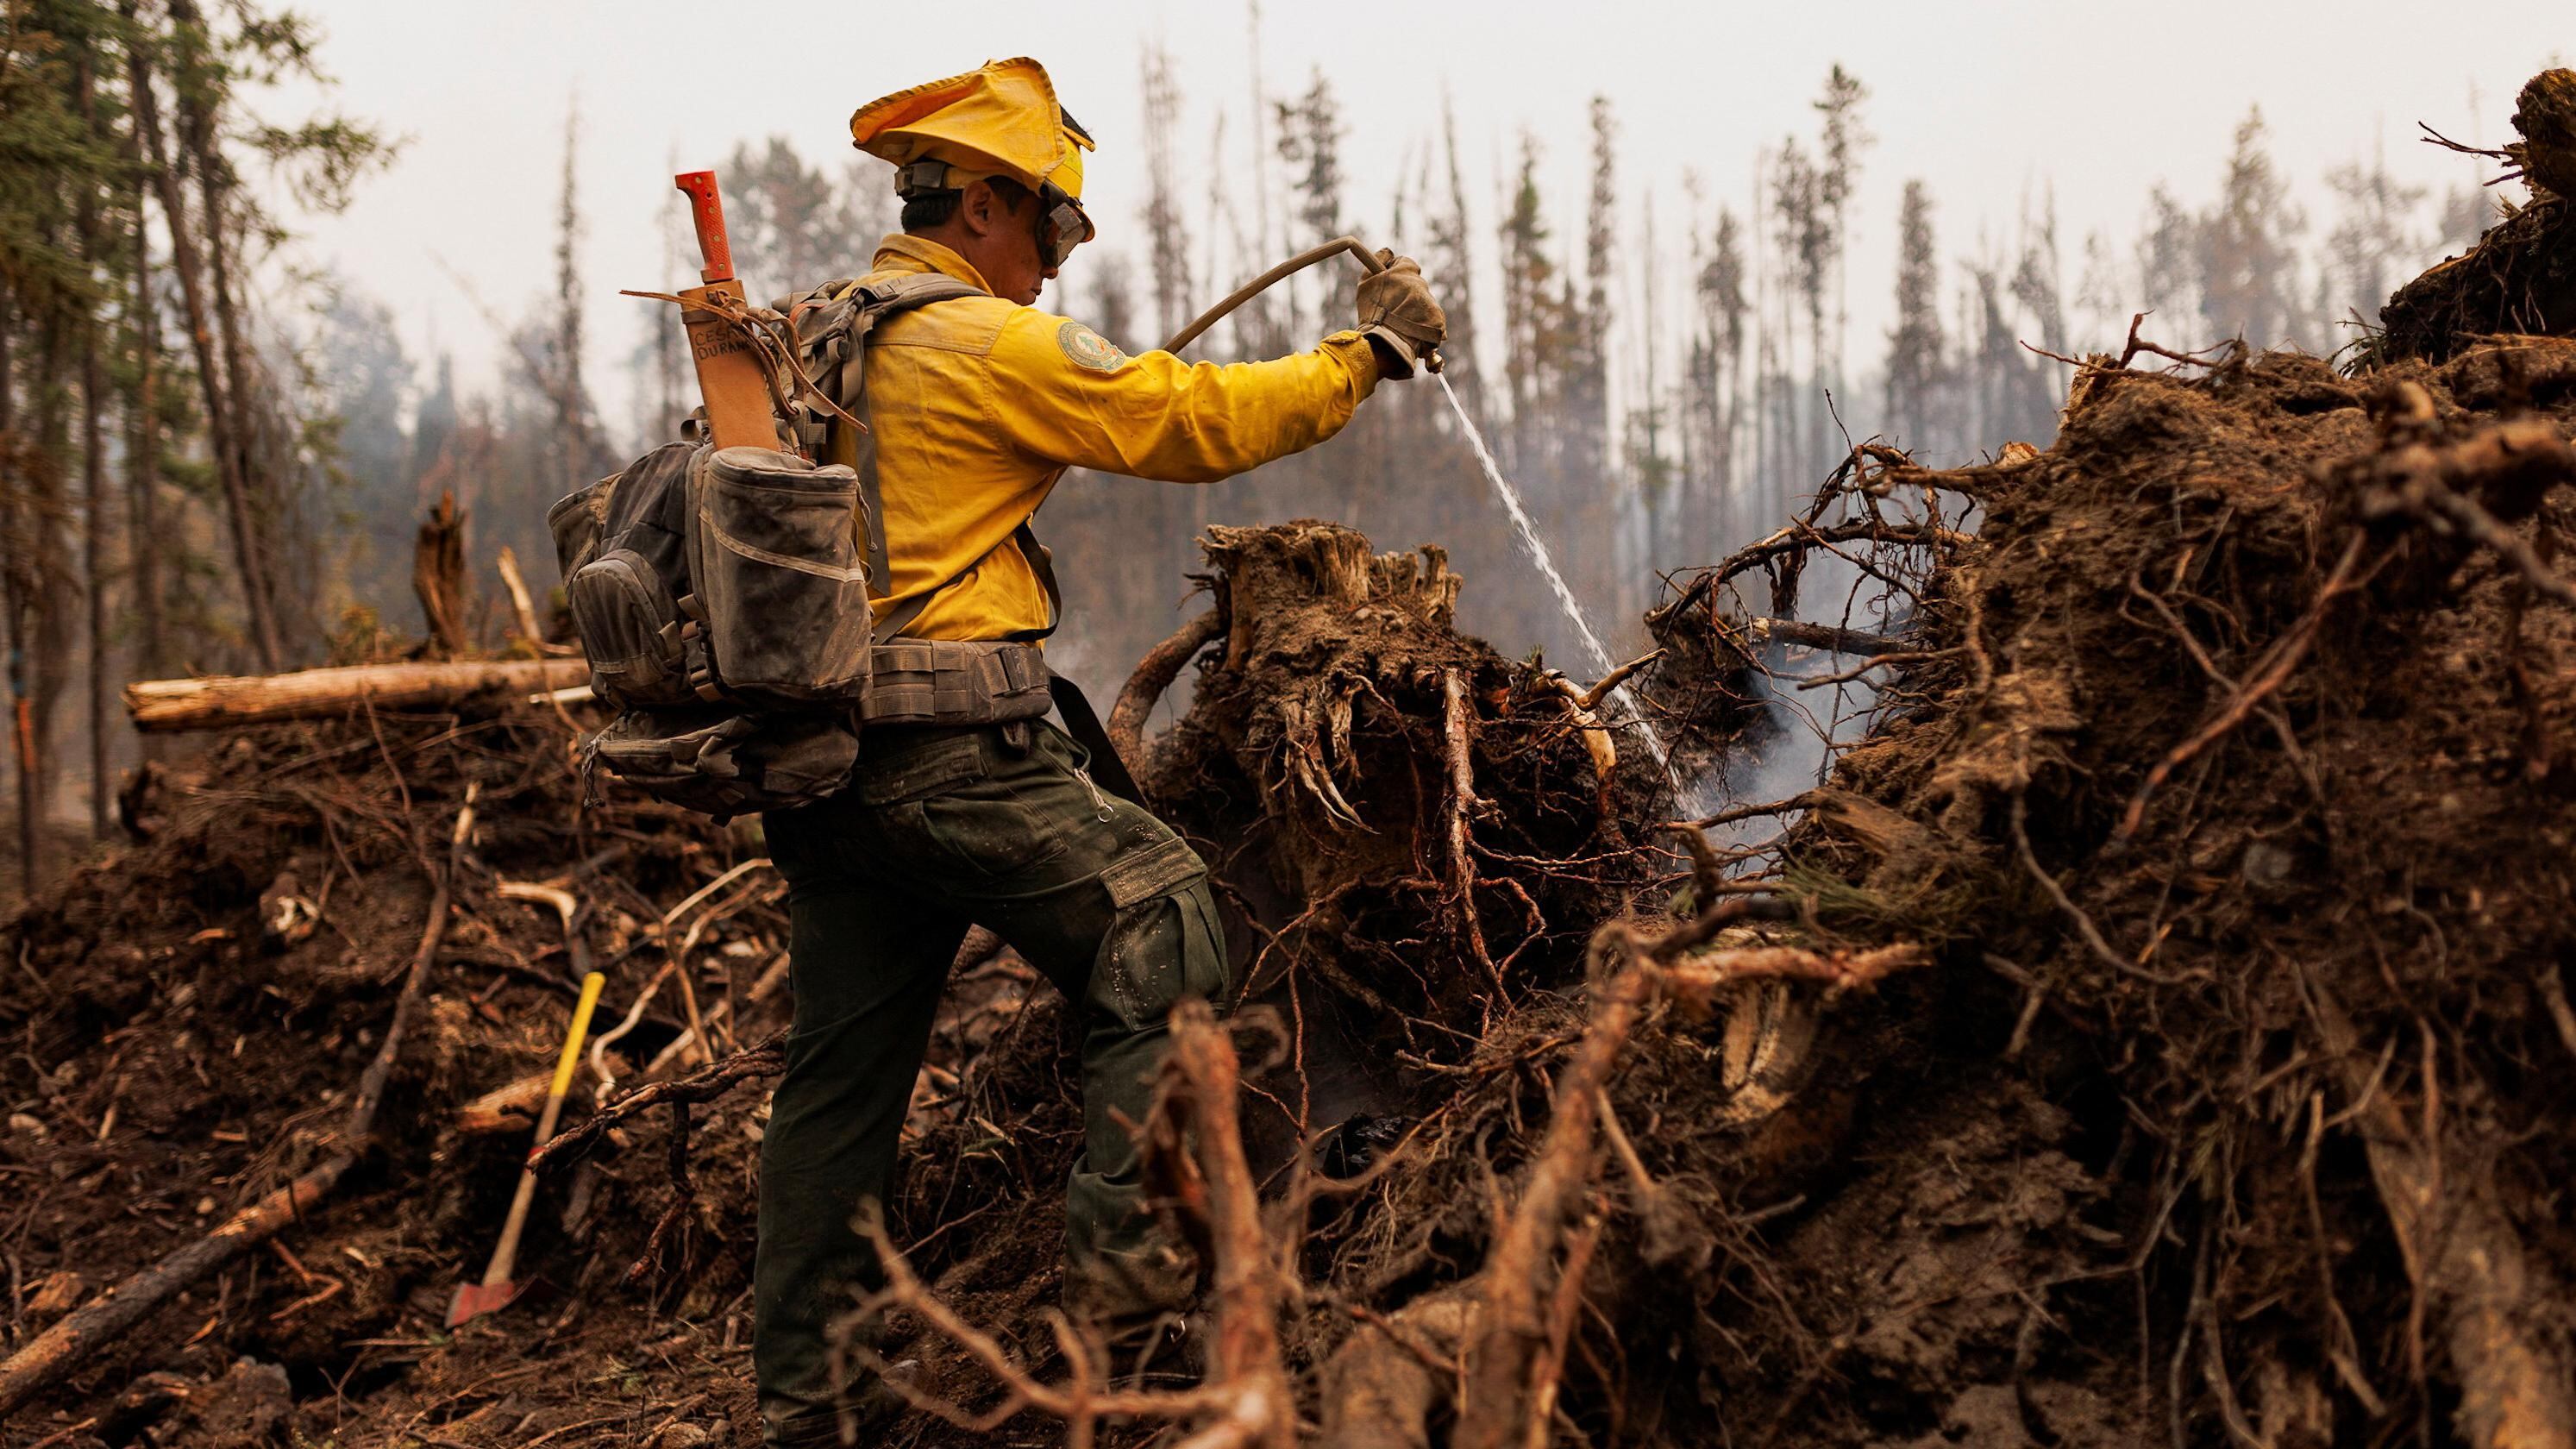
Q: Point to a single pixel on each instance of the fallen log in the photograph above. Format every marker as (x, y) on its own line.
(106, 1318)
(161, 706)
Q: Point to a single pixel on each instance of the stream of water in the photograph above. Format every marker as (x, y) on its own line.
(1684, 797)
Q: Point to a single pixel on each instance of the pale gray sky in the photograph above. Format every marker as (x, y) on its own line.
(1991, 103)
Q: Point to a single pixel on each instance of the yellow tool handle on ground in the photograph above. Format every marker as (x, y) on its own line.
(571, 1058)
(505, 1255)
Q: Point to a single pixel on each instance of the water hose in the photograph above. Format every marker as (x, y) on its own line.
(1366, 256)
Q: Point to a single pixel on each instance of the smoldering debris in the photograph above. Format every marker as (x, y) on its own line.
(2143, 1025)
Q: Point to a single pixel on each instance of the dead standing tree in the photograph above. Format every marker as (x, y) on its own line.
(438, 577)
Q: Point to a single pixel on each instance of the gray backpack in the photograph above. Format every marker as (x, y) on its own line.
(722, 597)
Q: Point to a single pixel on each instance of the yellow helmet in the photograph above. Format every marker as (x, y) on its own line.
(1000, 119)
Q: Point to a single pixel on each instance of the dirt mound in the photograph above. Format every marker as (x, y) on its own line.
(2230, 775)
(2149, 1029)
(193, 1015)
(197, 1009)
(1389, 801)
(1414, 838)
(2521, 276)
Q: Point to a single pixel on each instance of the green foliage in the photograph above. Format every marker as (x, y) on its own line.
(83, 205)
(50, 157)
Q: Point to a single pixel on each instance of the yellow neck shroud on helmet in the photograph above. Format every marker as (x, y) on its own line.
(1000, 119)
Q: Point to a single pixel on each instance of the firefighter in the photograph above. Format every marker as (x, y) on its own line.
(980, 403)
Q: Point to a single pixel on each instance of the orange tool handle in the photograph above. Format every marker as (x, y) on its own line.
(706, 211)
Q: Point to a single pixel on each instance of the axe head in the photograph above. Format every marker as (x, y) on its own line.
(476, 1299)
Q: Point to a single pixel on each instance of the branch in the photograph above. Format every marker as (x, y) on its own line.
(525, 611)
(1825, 636)
(1194, 1159)
(1693, 984)
(1590, 699)
(2275, 667)
(1512, 1328)
(1596, 736)
(704, 1085)
(1200, 1082)
(63, 1347)
(1800, 539)
(1511, 1369)
(1455, 713)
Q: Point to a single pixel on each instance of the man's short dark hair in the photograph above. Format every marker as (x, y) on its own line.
(925, 210)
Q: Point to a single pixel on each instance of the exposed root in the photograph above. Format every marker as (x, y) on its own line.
(1153, 675)
(1195, 1160)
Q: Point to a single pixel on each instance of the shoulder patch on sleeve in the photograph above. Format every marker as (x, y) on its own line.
(1086, 348)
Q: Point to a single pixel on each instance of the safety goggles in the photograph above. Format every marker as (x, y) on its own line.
(1063, 225)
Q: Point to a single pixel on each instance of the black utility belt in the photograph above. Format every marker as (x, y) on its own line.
(949, 682)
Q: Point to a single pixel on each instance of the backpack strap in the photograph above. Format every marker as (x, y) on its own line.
(871, 305)
(1042, 563)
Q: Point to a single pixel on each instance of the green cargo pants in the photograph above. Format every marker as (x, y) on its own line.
(997, 825)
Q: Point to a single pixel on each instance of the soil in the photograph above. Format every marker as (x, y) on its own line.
(2299, 766)
(2223, 778)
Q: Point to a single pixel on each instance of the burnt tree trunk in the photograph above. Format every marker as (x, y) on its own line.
(198, 123)
(1348, 751)
(48, 640)
(438, 576)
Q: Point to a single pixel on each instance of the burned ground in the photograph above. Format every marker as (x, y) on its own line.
(2148, 1028)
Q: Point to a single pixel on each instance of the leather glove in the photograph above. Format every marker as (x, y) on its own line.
(1397, 308)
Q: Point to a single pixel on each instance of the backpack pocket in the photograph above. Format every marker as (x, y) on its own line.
(725, 765)
(778, 558)
(630, 627)
(576, 521)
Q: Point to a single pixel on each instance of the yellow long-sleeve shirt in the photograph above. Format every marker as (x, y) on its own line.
(979, 405)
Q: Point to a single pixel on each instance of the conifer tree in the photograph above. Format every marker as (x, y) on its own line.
(2248, 268)
(1310, 142)
(1715, 381)
(1529, 339)
(1837, 180)
(1454, 275)
(2035, 282)
(1801, 238)
(2168, 274)
(2372, 236)
(1915, 348)
(1587, 379)
(1166, 236)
